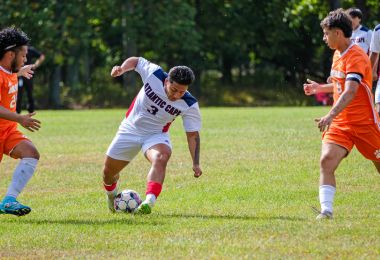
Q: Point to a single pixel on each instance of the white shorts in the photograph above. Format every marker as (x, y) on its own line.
(126, 146)
(377, 92)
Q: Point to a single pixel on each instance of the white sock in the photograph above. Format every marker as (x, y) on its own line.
(22, 174)
(112, 192)
(326, 197)
(151, 199)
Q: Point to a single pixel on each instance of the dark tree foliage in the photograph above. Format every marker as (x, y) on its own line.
(248, 48)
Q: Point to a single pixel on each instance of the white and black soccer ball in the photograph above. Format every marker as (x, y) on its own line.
(127, 201)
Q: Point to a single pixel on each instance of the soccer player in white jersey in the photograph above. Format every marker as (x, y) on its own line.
(162, 98)
(361, 35)
(374, 57)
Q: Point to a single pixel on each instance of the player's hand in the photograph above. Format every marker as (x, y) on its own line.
(329, 80)
(26, 71)
(30, 123)
(310, 87)
(197, 171)
(116, 71)
(324, 122)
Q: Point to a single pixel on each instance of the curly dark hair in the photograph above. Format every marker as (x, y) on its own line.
(182, 75)
(338, 19)
(12, 39)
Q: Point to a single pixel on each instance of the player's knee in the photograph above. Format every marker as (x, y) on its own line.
(31, 153)
(161, 159)
(327, 160)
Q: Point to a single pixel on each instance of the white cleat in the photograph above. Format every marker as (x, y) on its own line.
(322, 215)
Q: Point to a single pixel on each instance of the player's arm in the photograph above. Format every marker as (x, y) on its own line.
(26, 71)
(312, 87)
(350, 89)
(194, 143)
(128, 64)
(374, 58)
(25, 120)
(39, 61)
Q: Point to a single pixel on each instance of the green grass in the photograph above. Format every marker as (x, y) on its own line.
(253, 201)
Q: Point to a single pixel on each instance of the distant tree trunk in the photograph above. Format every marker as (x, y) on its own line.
(196, 87)
(334, 4)
(56, 77)
(128, 40)
(72, 71)
(226, 69)
(54, 95)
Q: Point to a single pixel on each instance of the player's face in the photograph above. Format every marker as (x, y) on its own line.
(330, 37)
(355, 22)
(174, 90)
(19, 59)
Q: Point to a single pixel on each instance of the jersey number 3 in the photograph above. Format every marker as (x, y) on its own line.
(153, 110)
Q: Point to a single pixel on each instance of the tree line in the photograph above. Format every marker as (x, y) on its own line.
(246, 52)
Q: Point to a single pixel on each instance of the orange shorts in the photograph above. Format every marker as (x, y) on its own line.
(366, 138)
(9, 139)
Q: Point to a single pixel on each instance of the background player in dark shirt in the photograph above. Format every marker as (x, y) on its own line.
(34, 58)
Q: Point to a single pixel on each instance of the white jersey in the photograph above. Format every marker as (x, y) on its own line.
(151, 111)
(375, 42)
(362, 37)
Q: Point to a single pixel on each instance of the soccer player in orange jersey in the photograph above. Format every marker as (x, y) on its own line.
(352, 119)
(13, 50)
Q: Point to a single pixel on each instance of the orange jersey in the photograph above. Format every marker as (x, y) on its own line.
(360, 111)
(8, 96)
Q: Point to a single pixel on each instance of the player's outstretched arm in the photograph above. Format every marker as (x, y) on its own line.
(25, 120)
(350, 90)
(194, 143)
(128, 64)
(311, 87)
(26, 71)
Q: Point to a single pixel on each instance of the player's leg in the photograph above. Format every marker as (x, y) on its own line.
(122, 150)
(331, 156)
(111, 175)
(29, 156)
(157, 150)
(28, 85)
(377, 165)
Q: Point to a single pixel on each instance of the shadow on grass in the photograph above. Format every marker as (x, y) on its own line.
(98, 222)
(231, 217)
(153, 219)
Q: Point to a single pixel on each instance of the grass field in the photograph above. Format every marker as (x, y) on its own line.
(253, 201)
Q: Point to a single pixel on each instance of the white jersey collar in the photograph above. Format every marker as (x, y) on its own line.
(5, 70)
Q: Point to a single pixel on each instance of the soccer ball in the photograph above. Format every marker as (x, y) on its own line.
(127, 201)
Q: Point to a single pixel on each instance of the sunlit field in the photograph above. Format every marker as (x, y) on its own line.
(253, 201)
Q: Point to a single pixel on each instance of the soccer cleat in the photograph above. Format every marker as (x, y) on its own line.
(144, 208)
(10, 205)
(322, 215)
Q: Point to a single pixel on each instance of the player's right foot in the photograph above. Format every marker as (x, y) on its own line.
(10, 205)
(111, 200)
(324, 215)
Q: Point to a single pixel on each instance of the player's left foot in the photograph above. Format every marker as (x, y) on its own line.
(322, 215)
(10, 205)
(144, 208)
